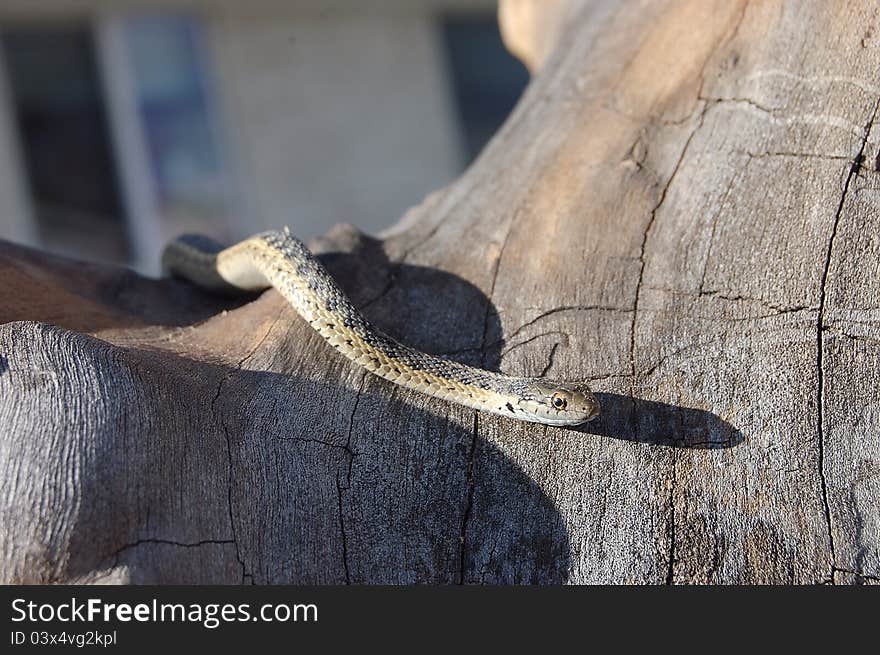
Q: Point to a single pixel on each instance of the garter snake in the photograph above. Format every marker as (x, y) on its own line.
(280, 260)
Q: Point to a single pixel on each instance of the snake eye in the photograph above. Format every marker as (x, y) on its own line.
(558, 401)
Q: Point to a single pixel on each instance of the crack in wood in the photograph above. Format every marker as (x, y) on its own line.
(471, 483)
(339, 488)
(820, 413)
(715, 219)
(225, 427)
(166, 542)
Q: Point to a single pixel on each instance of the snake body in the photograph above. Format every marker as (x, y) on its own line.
(280, 260)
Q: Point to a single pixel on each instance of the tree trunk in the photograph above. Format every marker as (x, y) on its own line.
(683, 208)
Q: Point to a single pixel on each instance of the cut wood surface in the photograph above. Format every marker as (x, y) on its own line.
(683, 209)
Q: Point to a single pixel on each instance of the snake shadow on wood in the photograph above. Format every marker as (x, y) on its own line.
(647, 421)
(441, 313)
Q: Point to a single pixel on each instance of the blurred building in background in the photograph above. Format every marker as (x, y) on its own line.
(126, 122)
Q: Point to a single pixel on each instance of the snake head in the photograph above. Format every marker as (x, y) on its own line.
(561, 403)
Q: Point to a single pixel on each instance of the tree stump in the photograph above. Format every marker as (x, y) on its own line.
(683, 209)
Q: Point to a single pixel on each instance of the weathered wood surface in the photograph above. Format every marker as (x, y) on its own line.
(683, 208)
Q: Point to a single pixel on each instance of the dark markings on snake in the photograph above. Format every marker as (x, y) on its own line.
(314, 293)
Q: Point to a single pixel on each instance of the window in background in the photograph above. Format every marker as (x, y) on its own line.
(173, 102)
(487, 80)
(71, 173)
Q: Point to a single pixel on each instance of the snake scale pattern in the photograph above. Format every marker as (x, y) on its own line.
(280, 260)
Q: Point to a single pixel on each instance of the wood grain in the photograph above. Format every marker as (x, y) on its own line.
(683, 208)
